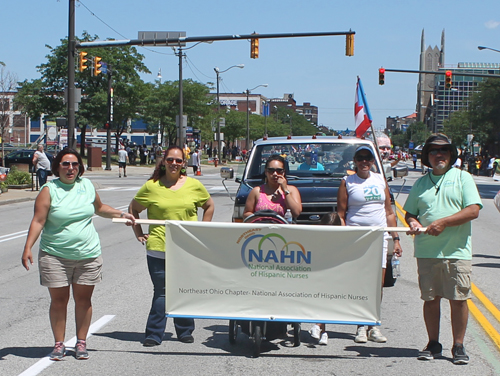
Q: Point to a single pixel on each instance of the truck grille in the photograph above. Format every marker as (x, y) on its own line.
(312, 213)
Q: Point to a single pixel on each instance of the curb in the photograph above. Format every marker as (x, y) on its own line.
(16, 200)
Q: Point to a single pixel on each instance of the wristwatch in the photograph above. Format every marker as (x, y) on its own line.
(287, 192)
(396, 238)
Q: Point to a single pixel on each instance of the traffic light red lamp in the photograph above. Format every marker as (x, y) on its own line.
(448, 81)
(381, 76)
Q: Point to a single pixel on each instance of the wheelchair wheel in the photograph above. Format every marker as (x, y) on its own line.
(233, 331)
(296, 334)
(257, 340)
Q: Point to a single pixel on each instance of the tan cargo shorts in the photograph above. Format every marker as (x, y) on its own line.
(447, 278)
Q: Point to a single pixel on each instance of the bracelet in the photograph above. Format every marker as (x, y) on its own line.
(396, 238)
(122, 214)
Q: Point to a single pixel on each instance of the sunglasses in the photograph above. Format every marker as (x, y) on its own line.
(279, 171)
(67, 164)
(440, 151)
(361, 158)
(172, 160)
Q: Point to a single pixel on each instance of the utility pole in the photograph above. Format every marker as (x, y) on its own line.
(181, 103)
(71, 75)
(110, 118)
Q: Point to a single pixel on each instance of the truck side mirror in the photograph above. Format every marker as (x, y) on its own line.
(226, 173)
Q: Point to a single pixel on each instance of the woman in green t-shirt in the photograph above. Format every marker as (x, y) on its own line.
(168, 195)
(70, 251)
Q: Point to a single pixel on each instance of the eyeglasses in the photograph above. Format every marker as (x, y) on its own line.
(440, 151)
(279, 171)
(67, 164)
(172, 160)
(361, 158)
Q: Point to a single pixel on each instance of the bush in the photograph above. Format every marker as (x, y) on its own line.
(16, 177)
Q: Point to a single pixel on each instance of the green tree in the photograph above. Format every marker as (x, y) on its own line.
(46, 95)
(161, 106)
(458, 126)
(484, 113)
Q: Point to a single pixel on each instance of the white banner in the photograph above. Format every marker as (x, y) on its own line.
(290, 273)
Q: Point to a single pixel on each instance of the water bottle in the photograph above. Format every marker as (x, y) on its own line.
(396, 271)
(288, 216)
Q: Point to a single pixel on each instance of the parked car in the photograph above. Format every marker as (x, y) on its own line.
(23, 156)
(329, 158)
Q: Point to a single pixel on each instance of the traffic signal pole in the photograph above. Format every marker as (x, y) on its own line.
(71, 75)
(442, 72)
(110, 119)
(182, 40)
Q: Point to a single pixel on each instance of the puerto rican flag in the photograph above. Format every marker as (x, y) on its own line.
(362, 116)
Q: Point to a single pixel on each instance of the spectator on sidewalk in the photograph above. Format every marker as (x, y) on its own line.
(122, 162)
(42, 164)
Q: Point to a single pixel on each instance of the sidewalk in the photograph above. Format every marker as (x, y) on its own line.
(20, 195)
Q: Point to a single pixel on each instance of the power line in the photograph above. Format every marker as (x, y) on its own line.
(116, 31)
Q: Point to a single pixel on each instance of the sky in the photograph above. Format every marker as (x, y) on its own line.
(314, 69)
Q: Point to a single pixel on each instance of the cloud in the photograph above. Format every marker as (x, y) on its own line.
(491, 24)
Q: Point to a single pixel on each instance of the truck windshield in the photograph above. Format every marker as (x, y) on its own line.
(308, 160)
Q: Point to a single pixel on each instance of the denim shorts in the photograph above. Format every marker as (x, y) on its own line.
(447, 278)
(60, 272)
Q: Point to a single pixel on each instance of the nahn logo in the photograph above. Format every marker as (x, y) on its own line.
(259, 248)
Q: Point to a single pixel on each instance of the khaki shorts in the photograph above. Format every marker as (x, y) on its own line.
(447, 278)
(60, 272)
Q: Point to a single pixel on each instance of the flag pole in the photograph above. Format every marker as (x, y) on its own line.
(371, 122)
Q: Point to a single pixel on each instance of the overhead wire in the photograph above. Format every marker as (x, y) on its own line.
(116, 31)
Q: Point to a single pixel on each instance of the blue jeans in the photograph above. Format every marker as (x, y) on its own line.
(42, 176)
(157, 321)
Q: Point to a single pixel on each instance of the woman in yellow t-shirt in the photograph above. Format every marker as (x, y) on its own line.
(168, 195)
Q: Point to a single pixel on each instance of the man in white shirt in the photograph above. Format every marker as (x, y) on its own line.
(122, 162)
(42, 165)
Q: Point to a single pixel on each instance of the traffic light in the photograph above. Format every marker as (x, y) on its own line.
(381, 76)
(349, 45)
(254, 48)
(107, 125)
(448, 81)
(97, 65)
(83, 61)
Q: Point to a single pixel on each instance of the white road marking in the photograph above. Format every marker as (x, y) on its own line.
(14, 235)
(45, 362)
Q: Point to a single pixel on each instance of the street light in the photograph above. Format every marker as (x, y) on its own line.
(289, 117)
(218, 72)
(487, 48)
(248, 91)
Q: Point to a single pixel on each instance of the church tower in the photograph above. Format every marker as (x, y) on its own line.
(431, 59)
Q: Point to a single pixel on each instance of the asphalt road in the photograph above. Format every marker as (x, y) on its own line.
(121, 304)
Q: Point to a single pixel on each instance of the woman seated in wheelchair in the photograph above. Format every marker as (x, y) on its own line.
(275, 194)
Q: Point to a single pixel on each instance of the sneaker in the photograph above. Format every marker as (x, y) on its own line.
(81, 350)
(459, 355)
(124, 175)
(187, 339)
(58, 352)
(375, 335)
(324, 339)
(150, 342)
(315, 332)
(361, 335)
(119, 176)
(431, 351)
